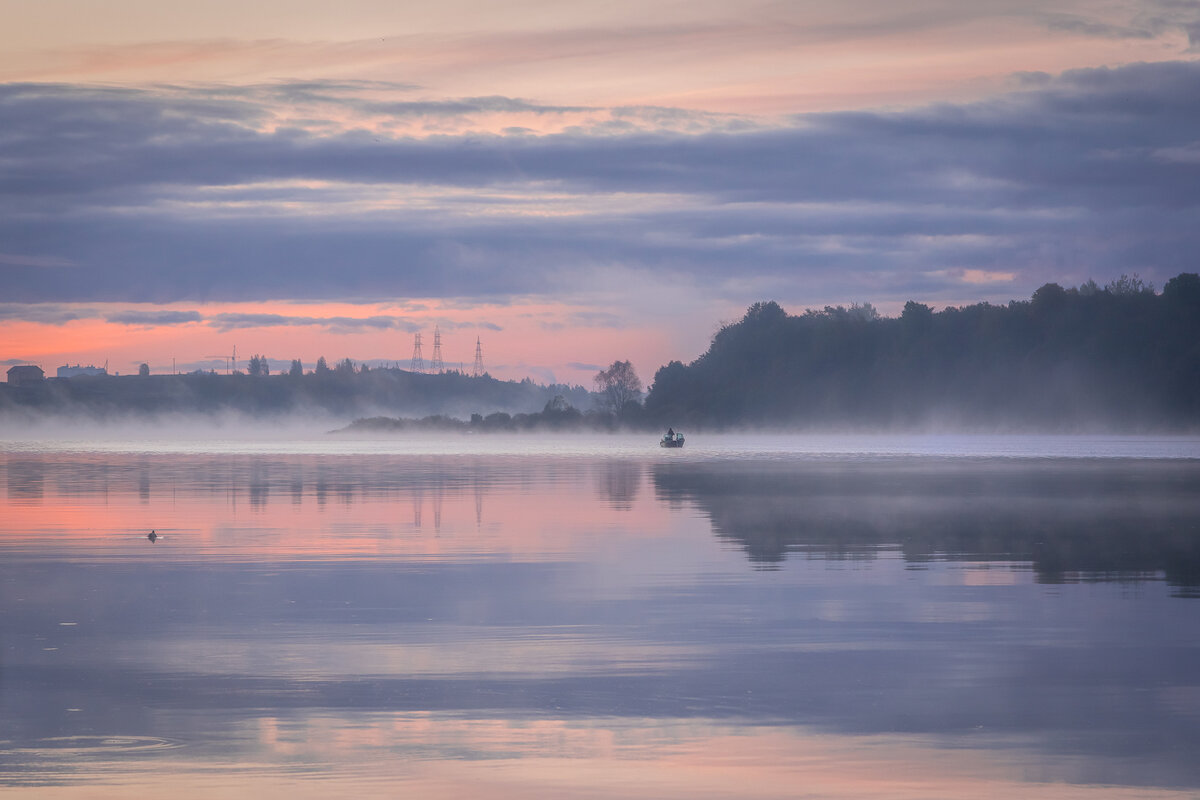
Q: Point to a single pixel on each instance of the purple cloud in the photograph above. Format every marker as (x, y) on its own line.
(179, 196)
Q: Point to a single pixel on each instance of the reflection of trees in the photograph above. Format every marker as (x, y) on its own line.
(343, 390)
(1072, 520)
(263, 480)
(259, 487)
(618, 482)
(144, 482)
(25, 478)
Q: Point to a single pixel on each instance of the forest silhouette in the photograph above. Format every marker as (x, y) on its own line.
(1121, 358)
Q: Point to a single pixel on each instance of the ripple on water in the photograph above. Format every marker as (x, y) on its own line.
(96, 746)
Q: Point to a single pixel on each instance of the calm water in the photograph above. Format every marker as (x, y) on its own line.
(827, 617)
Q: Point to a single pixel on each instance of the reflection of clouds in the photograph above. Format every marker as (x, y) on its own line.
(521, 653)
(1002, 574)
(438, 756)
(421, 650)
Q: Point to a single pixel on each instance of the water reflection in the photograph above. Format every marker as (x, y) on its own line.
(511, 626)
(1071, 520)
(619, 481)
(25, 479)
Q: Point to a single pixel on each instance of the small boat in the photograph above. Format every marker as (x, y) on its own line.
(671, 439)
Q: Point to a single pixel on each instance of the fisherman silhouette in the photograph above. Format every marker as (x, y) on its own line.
(152, 536)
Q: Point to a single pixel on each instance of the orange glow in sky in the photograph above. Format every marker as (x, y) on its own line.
(517, 340)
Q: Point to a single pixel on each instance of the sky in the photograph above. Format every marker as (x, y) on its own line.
(568, 183)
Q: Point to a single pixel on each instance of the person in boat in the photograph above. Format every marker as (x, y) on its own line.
(670, 434)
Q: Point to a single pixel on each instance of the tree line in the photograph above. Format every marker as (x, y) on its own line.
(1119, 357)
(259, 366)
(343, 389)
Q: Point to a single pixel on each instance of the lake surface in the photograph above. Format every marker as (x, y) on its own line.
(578, 617)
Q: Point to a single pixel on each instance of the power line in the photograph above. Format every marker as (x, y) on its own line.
(436, 364)
(418, 363)
(477, 369)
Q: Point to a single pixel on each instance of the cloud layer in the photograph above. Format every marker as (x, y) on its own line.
(175, 194)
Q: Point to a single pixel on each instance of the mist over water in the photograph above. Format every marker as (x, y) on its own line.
(231, 433)
(593, 616)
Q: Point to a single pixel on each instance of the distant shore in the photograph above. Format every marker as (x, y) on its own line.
(563, 420)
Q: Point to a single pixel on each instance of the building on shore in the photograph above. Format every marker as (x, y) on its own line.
(68, 371)
(25, 375)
